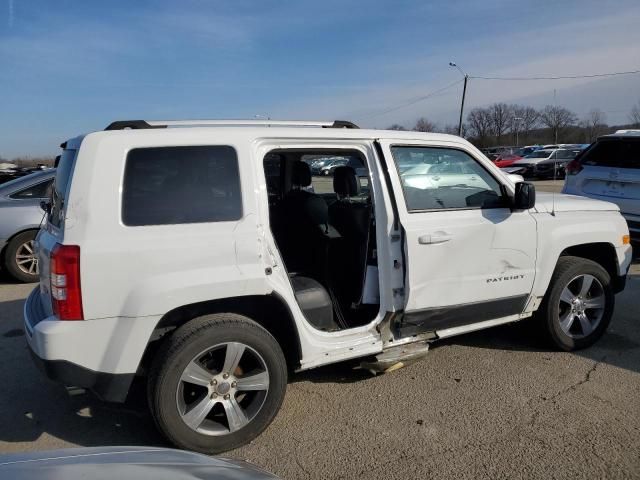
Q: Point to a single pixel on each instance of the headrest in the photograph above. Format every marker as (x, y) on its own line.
(345, 182)
(301, 174)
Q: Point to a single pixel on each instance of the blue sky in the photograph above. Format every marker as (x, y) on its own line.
(72, 66)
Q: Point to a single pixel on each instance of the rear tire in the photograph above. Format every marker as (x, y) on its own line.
(249, 371)
(20, 258)
(578, 306)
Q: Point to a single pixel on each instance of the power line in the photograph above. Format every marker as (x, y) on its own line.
(413, 101)
(611, 74)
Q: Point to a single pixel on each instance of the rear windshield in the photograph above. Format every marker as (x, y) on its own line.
(621, 153)
(60, 186)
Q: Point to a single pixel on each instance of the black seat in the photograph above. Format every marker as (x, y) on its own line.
(304, 240)
(304, 225)
(352, 219)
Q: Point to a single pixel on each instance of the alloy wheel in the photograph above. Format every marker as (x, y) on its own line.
(222, 389)
(27, 259)
(581, 306)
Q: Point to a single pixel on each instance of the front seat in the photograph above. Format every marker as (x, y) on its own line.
(352, 220)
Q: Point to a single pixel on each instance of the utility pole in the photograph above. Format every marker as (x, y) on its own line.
(555, 129)
(516, 121)
(464, 93)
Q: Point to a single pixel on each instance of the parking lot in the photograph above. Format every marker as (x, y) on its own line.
(494, 404)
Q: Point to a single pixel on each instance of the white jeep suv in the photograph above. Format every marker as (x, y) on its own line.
(204, 258)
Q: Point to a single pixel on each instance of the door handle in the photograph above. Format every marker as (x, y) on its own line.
(434, 238)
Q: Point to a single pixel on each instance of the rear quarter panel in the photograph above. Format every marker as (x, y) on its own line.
(150, 270)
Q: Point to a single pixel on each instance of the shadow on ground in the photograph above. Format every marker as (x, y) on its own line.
(32, 407)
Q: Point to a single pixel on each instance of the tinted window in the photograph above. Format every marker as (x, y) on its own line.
(173, 185)
(614, 153)
(60, 185)
(39, 190)
(450, 179)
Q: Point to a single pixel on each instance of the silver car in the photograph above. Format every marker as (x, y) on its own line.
(125, 463)
(20, 219)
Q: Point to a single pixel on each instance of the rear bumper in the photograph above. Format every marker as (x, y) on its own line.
(108, 387)
(100, 355)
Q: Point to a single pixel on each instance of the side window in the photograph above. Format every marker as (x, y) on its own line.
(40, 190)
(175, 185)
(444, 178)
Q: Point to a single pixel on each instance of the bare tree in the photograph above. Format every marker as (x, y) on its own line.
(479, 121)
(557, 118)
(424, 125)
(501, 116)
(524, 119)
(396, 126)
(634, 115)
(453, 129)
(594, 124)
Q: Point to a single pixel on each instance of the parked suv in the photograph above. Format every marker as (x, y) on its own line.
(555, 166)
(610, 170)
(199, 260)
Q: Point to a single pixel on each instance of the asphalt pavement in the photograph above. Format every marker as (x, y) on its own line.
(494, 404)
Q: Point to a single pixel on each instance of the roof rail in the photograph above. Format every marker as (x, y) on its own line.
(131, 124)
(143, 124)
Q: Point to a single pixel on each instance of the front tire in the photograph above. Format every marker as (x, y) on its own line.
(578, 306)
(217, 383)
(20, 257)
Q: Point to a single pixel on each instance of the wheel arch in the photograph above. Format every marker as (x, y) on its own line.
(269, 311)
(602, 253)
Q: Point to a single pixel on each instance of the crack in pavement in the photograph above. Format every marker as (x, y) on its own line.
(587, 377)
(517, 429)
(296, 457)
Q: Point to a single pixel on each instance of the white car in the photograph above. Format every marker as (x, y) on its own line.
(610, 170)
(168, 255)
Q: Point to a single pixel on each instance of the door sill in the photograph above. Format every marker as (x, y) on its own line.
(453, 331)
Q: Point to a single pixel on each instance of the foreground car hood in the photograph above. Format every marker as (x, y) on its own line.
(559, 202)
(140, 463)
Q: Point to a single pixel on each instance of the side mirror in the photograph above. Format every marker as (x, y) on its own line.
(525, 196)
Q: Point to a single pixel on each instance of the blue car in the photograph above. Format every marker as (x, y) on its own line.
(20, 219)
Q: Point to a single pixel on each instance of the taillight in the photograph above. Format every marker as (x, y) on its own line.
(65, 282)
(573, 167)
